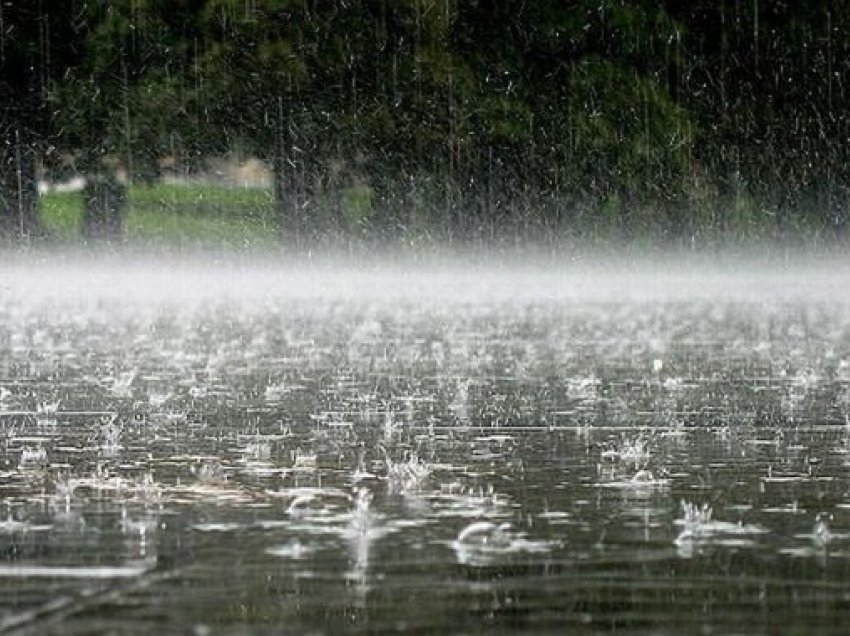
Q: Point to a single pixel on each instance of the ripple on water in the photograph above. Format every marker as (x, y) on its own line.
(484, 543)
(315, 460)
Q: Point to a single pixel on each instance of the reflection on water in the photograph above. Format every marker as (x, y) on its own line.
(423, 461)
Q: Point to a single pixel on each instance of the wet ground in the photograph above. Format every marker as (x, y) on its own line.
(436, 451)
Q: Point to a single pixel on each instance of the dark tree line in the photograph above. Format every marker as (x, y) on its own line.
(705, 120)
(39, 42)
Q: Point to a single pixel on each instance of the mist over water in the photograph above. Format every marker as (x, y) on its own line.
(334, 317)
(236, 444)
(251, 277)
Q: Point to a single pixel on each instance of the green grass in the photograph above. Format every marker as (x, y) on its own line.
(176, 214)
(208, 200)
(60, 214)
(200, 216)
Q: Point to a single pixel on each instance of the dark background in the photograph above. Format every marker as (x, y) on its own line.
(686, 122)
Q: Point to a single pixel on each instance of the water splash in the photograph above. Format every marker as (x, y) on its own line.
(45, 412)
(485, 534)
(821, 532)
(304, 461)
(210, 472)
(406, 476)
(121, 386)
(695, 520)
(33, 458)
(700, 530)
(483, 543)
(110, 433)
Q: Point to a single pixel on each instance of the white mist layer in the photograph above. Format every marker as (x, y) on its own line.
(160, 279)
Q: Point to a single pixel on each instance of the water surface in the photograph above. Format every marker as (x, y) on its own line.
(228, 449)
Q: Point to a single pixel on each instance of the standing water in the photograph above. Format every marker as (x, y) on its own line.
(232, 449)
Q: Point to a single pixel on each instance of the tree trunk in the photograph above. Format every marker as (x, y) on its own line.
(105, 202)
(284, 197)
(292, 192)
(19, 185)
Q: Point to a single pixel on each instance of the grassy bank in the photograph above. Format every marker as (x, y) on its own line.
(215, 216)
(175, 214)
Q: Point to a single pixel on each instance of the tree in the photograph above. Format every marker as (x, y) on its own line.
(768, 81)
(464, 116)
(573, 104)
(131, 101)
(38, 42)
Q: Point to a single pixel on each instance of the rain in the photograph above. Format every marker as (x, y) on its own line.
(424, 316)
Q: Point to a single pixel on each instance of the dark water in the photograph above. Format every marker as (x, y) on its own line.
(431, 453)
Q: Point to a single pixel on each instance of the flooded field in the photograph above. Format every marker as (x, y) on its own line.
(210, 451)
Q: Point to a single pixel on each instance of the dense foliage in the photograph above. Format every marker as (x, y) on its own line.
(699, 121)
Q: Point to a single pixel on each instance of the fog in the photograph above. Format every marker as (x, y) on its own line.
(174, 277)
